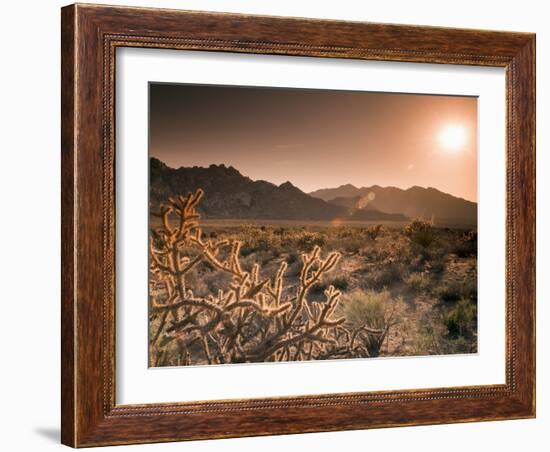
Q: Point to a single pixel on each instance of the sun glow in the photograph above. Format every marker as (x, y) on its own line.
(453, 138)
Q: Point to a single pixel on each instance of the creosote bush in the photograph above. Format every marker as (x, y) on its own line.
(384, 276)
(307, 241)
(452, 291)
(461, 319)
(338, 282)
(251, 317)
(420, 233)
(374, 231)
(466, 245)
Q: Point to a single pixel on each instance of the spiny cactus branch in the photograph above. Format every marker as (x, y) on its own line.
(253, 318)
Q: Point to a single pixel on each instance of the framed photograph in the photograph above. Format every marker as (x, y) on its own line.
(282, 225)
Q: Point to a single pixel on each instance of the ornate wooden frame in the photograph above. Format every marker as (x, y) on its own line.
(90, 35)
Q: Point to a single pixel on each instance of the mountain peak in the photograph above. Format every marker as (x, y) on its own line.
(348, 186)
(287, 185)
(156, 163)
(223, 168)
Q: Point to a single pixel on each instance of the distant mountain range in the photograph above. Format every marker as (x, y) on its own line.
(230, 195)
(415, 202)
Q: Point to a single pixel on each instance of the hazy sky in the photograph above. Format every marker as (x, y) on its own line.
(319, 138)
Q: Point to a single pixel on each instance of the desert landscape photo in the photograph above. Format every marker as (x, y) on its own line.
(299, 224)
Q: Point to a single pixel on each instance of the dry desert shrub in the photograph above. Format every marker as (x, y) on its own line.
(421, 233)
(418, 282)
(374, 231)
(370, 315)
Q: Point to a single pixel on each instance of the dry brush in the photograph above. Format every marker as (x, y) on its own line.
(255, 318)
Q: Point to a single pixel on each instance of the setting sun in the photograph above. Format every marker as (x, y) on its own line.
(453, 138)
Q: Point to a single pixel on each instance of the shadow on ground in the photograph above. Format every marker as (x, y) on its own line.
(50, 433)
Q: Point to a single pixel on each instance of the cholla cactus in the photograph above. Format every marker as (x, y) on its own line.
(251, 320)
